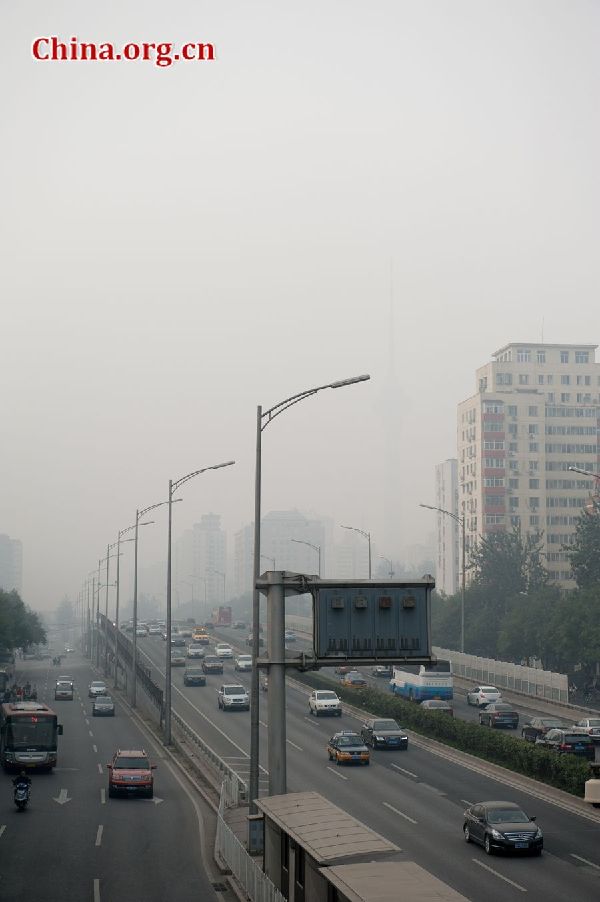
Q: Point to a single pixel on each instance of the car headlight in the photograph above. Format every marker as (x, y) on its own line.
(379, 738)
(497, 835)
(538, 834)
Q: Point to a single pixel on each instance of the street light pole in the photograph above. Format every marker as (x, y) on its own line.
(173, 487)
(462, 522)
(367, 536)
(267, 416)
(316, 548)
(390, 564)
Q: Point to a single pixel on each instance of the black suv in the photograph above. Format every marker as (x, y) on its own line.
(382, 733)
(568, 742)
(499, 714)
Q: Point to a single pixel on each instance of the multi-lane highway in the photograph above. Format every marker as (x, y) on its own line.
(416, 798)
(73, 843)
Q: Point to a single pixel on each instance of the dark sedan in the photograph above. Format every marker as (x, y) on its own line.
(499, 714)
(212, 664)
(103, 706)
(502, 827)
(384, 734)
(568, 742)
(539, 726)
(194, 676)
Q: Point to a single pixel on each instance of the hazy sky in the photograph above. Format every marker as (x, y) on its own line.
(179, 244)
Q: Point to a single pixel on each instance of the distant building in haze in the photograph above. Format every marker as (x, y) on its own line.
(11, 564)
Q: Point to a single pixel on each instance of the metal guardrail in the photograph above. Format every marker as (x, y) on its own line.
(541, 684)
(243, 866)
(237, 788)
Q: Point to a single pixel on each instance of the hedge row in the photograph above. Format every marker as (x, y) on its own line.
(562, 771)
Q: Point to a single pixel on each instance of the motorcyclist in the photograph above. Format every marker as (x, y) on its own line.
(22, 778)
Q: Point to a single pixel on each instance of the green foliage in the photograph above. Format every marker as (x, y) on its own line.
(584, 553)
(509, 562)
(562, 771)
(19, 626)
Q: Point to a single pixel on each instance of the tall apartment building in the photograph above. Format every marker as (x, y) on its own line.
(447, 569)
(286, 537)
(535, 414)
(11, 564)
(200, 560)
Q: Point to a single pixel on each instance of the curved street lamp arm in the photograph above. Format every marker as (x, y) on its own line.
(274, 411)
(430, 507)
(179, 482)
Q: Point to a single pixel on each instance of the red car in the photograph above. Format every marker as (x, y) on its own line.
(130, 773)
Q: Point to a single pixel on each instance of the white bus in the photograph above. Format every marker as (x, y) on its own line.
(418, 682)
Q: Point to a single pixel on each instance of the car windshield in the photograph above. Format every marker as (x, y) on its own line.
(551, 722)
(433, 703)
(594, 722)
(125, 763)
(501, 707)
(245, 659)
(98, 685)
(488, 689)
(571, 738)
(385, 725)
(507, 816)
(327, 695)
(194, 671)
(234, 690)
(349, 740)
(104, 700)
(212, 660)
(63, 685)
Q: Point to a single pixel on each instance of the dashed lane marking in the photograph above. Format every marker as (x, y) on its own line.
(289, 741)
(400, 813)
(100, 768)
(99, 835)
(95, 748)
(337, 773)
(585, 861)
(497, 874)
(2, 829)
(96, 890)
(90, 732)
(311, 722)
(103, 797)
(404, 771)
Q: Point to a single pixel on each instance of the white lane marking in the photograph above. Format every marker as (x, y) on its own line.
(99, 768)
(90, 732)
(466, 801)
(262, 723)
(337, 773)
(103, 797)
(2, 828)
(95, 748)
(497, 874)
(401, 813)
(311, 722)
(87, 723)
(99, 835)
(585, 861)
(404, 771)
(63, 797)
(96, 890)
(294, 745)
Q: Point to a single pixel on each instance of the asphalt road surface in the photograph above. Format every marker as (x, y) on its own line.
(73, 843)
(415, 798)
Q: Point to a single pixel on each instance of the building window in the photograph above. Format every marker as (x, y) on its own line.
(550, 379)
(512, 410)
(513, 503)
(513, 447)
(534, 483)
(504, 379)
(588, 380)
(582, 357)
(513, 464)
(523, 379)
(533, 429)
(564, 356)
(565, 380)
(565, 397)
(534, 520)
(541, 356)
(534, 448)
(513, 428)
(551, 397)
(534, 503)
(541, 379)
(513, 483)
(515, 520)
(523, 356)
(534, 464)
(533, 411)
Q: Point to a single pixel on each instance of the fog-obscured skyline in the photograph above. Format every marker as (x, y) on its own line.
(181, 244)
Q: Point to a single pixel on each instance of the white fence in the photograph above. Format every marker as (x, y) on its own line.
(528, 680)
(243, 866)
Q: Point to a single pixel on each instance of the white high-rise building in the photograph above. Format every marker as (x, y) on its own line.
(200, 562)
(535, 415)
(11, 564)
(448, 533)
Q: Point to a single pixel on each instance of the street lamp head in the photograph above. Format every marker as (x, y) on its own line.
(343, 382)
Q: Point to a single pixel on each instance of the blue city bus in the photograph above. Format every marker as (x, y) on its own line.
(418, 682)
